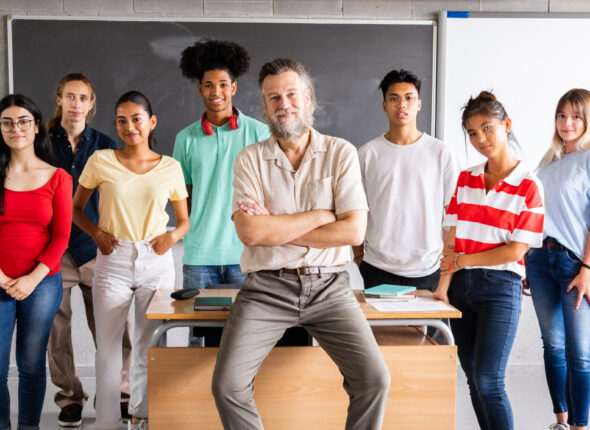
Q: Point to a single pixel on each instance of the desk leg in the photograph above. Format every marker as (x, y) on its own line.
(436, 323)
(159, 336)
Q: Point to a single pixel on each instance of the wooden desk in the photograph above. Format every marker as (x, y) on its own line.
(300, 387)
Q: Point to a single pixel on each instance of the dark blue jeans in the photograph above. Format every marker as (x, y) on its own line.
(490, 301)
(33, 318)
(565, 331)
(198, 277)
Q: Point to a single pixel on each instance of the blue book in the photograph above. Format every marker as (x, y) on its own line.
(388, 290)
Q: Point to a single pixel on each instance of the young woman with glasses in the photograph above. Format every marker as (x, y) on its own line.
(495, 214)
(134, 256)
(35, 222)
(558, 274)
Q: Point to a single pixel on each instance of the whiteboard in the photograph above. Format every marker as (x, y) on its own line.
(528, 61)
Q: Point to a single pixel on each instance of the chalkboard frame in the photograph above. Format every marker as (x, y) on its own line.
(430, 77)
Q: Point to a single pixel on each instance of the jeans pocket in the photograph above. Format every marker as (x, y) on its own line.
(572, 257)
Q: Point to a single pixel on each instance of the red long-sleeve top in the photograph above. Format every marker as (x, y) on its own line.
(36, 226)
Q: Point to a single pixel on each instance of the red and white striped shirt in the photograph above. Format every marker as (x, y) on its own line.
(512, 210)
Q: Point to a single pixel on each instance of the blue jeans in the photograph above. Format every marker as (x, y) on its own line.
(33, 317)
(198, 277)
(490, 301)
(201, 276)
(565, 331)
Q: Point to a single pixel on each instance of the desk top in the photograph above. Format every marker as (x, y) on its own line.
(163, 307)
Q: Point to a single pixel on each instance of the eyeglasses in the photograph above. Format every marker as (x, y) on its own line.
(23, 124)
(396, 100)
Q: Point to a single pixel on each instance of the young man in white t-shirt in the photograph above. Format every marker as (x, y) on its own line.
(409, 178)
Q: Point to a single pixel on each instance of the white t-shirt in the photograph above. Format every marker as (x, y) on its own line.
(407, 187)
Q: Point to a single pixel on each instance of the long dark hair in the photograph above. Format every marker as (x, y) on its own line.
(42, 145)
(141, 100)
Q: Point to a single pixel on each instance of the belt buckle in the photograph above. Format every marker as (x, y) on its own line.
(304, 271)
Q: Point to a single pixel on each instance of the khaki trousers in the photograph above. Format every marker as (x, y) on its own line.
(60, 352)
(269, 303)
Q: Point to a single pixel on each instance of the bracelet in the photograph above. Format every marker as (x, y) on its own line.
(586, 265)
(457, 264)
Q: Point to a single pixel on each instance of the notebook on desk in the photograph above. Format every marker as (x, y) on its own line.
(390, 291)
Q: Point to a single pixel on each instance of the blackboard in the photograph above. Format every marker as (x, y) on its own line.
(346, 60)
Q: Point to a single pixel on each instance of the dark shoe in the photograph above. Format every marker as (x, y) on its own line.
(125, 412)
(70, 416)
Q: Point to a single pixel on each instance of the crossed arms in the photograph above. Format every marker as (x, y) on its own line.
(256, 226)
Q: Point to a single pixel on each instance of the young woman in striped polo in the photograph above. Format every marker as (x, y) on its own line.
(494, 216)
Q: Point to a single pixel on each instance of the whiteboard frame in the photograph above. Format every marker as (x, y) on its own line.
(442, 50)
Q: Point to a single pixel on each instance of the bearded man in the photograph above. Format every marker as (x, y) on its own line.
(298, 205)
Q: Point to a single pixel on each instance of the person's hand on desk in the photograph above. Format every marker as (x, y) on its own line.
(441, 294)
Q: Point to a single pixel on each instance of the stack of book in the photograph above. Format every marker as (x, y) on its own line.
(389, 291)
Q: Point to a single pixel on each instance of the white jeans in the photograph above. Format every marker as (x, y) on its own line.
(133, 270)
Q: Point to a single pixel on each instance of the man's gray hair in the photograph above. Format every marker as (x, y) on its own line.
(282, 65)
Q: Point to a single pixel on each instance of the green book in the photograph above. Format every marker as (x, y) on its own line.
(212, 303)
(389, 290)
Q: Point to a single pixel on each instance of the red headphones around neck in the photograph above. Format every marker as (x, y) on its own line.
(233, 122)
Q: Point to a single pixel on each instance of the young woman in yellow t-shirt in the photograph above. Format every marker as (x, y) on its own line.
(134, 249)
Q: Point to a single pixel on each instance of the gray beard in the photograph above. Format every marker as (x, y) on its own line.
(292, 130)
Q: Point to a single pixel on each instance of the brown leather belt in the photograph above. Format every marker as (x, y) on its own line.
(314, 270)
(551, 243)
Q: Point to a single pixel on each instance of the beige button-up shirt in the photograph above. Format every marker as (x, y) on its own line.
(328, 177)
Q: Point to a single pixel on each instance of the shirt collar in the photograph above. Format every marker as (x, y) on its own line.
(515, 177)
(273, 151)
(58, 131)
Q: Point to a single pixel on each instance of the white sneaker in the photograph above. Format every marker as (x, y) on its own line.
(140, 424)
(559, 426)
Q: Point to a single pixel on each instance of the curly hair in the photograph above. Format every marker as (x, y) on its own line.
(207, 54)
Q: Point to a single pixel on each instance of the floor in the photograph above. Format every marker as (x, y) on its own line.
(525, 385)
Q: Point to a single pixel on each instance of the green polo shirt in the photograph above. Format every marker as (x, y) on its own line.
(207, 163)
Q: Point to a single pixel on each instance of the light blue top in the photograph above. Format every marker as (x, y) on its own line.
(207, 163)
(567, 200)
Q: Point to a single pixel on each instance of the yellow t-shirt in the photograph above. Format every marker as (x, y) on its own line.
(132, 206)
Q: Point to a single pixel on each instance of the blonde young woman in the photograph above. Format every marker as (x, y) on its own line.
(558, 274)
(134, 256)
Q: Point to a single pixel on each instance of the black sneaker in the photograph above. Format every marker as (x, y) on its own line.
(70, 416)
(125, 412)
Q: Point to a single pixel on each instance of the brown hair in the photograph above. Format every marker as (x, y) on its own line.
(485, 104)
(59, 91)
